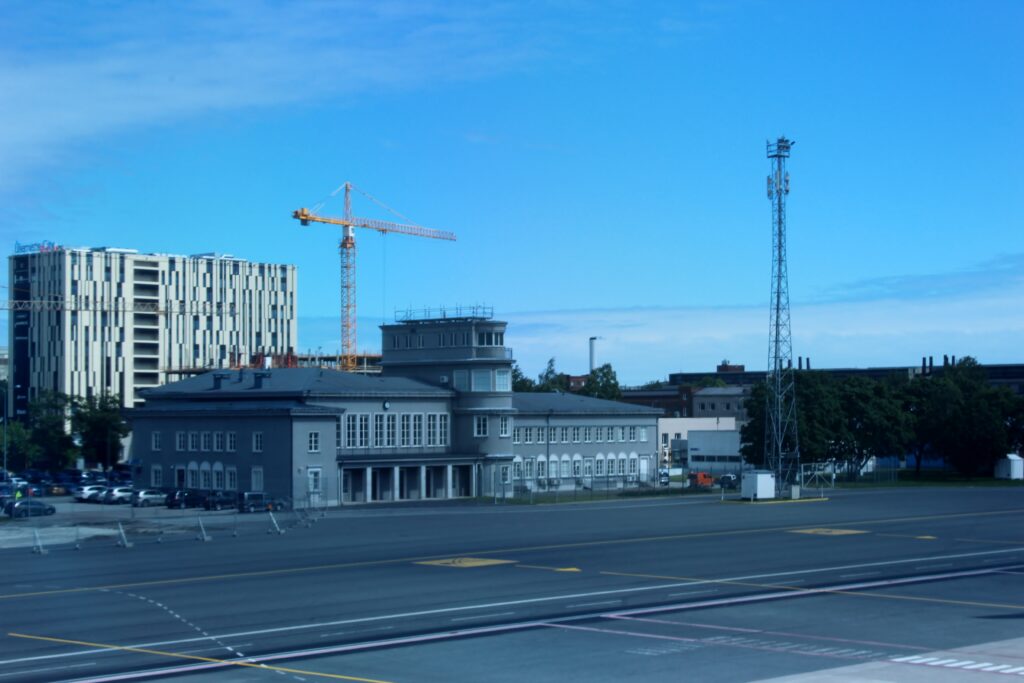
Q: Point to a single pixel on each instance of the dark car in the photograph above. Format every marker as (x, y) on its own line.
(664, 478)
(184, 498)
(219, 500)
(253, 501)
(29, 508)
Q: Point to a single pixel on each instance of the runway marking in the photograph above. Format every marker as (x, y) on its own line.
(502, 551)
(594, 604)
(913, 536)
(829, 532)
(210, 660)
(550, 569)
(466, 562)
(483, 616)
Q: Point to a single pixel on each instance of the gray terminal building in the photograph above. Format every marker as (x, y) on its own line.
(441, 421)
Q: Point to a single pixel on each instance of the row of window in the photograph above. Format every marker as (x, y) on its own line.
(578, 434)
(482, 380)
(205, 441)
(482, 425)
(443, 339)
(556, 467)
(389, 430)
(207, 477)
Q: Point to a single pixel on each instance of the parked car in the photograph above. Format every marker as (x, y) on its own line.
(253, 501)
(26, 507)
(701, 480)
(117, 495)
(663, 477)
(219, 500)
(728, 481)
(184, 498)
(145, 497)
(97, 495)
(83, 493)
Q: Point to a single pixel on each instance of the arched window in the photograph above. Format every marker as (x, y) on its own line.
(193, 475)
(218, 476)
(205, 476)
(577, 465)
(541, 467)
(565, 466)
(599, 466)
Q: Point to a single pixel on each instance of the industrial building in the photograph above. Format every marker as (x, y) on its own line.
(89, 321)
(440, 421)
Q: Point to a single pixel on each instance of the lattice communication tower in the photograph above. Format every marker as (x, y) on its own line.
(782, 445)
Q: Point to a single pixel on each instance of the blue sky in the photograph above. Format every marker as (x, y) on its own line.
(602, 163)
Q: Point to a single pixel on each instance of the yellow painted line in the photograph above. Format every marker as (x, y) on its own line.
(466, 562)
(211, 660)
(744, 501)
(497, 551)
(810, 592)
(829, 532)
(550, 569)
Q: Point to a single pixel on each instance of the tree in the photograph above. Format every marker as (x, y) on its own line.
(551, 379)
(602, 383)
(521, 382)
(46, 418)
(752, 433)
(21, 452)
(873, 423)
(98, 425)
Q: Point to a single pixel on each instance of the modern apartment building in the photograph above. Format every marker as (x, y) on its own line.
(87, 321)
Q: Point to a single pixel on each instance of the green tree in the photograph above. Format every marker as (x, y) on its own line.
(873, 423)
(602, 383)
(931, 402)
(46, 418)
(521, 382)
(551, 379)
(752, 433)
(99, 426)
(21, 452)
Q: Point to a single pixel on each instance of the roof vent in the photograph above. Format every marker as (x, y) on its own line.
(258, 378)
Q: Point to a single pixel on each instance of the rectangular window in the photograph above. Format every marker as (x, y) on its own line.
(632, 466)
(480, 425)
(314, 442)
(586, 434)
(179, 441)
(432, 430)
(406, 429)
(442, 430)
(313, 479)
(553, 435)
(599, 468)
(378, 430)
(193, 441)
(257, 444)
(565, 435)
(193, 479)
(611, 434)
(632, 433)
(232, 441)
(218, 441)
(257, 479)
(482, 380)
(156, 476)
(503, 380)
(517, 470)
(517, 435)
(565, 469)
(575, 434)
(599, 433)
(351, 430)
(529, 469)
(207, 441)
(154, 441)
(232, 476)
(577, 468)
(643, 434)
(588, 468)
(664, 439)
(364, 431)
(417, 430)
(504, 474)
(528, 435)
(504, 423)
(460, 380)
(207, 480)
(540, 469)
(622, 466)
(392, 440)
(218, 480)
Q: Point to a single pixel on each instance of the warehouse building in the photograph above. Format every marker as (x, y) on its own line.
(440, 421)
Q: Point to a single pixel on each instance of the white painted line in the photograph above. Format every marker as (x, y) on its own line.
(978, 666)
(960, 664)
(856, 575)
(934, 566)
(997, 667)
(924, 660)
(483, 616)
(50, 668)
(941, 662)
(1016, 669)
(571, 596)
(908, 658)
(594, 604)
(710, 590)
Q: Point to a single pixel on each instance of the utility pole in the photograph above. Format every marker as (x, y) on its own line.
(782, 445)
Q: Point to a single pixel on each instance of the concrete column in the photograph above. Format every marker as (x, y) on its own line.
(341, 485)
(423, 482)
(447, 481)
(368, 485)
(475, 469)
(396, 485)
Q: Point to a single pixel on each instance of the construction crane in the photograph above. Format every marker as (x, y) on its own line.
(347, 249)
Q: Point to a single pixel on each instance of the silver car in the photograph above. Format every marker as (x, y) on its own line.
(145, 497)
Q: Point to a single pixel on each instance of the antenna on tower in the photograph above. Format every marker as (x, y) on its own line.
(782, 444)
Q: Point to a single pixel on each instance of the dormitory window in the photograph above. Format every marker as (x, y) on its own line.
(599, 433)
(378, 430)
(232, 474)
(622, 433)
(517, 436)
(565, 469)
(586, 434)
(218, 441)
(540, 469)
(232, 442)
(207, 441)
(576, 471)
(622, 466)
(632, 433)
(517, 470)
(553, 435)
(565, 435)
(480, 425)
(502, 380)
(643, 434)
(504, 422)
(364, 431)
(575, 434)
(218, 479)
(528, 435)
(417, 430)
(632, 466)
(406, 429)
(350, 430)
(588, 468)
(314, 442)
(431, 430)
(257, 447)
(529, 469)
(599, 468)
(392, 428)
(154, 441)
(442, 430)
(193, 441)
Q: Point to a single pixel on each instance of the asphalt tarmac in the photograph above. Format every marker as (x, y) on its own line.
(913, 584)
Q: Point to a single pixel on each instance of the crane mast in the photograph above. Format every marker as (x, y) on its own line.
(347, 252)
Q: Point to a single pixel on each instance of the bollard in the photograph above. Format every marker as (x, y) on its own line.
(234, 532)
(38, 548)
(123, 543)
(203, 536)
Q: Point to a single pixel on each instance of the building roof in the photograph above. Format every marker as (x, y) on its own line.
(291, 382)
(720, 391)
(559, 403)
